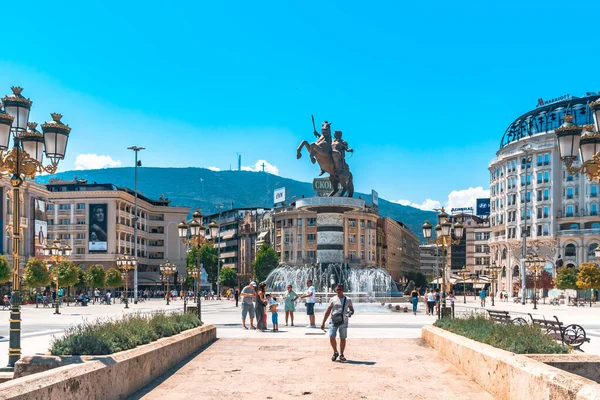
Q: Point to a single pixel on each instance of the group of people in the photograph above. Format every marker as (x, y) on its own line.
(432, 299)
(256, 300)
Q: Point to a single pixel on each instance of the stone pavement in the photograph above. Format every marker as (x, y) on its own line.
(265, 368)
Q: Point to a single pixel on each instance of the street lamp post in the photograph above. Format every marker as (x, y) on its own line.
(57, 254)
(215, 234)
(494, 270)
(126, 263)
(528, 159)
(192, 234)
(535, 264)
(167, 269)
(444, 238)
(463, 273)
(24, 160)
(181, 281)
(136, 149)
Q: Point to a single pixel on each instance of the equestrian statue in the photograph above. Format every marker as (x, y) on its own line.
(331, 156)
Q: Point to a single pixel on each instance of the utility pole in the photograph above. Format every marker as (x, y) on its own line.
(136, 149)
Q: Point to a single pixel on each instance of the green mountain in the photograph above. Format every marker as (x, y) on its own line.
(204, 188)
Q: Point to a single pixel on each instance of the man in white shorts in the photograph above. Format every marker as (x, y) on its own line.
(338, 308)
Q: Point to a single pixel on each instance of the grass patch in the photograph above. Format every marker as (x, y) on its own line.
(517, 339)
(107, 336)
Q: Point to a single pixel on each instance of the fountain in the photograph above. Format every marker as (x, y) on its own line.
(362, 284)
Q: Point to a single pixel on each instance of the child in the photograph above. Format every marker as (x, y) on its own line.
(274, 316)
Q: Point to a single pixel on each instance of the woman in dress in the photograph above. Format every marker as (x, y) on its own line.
(259, 307)
(289, 307)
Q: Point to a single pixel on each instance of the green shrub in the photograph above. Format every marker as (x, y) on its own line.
(514, 338)
(107, 336)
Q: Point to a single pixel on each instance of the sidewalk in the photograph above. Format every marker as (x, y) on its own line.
(287, 368)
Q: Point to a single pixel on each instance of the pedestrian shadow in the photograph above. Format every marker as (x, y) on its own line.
(355, 362)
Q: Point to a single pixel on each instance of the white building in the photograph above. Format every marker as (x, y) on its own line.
(529, 186)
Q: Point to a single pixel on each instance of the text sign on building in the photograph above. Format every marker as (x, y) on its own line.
(541, 102)
(461, 209)
(323, 185)
(483, 207)
(279, 195)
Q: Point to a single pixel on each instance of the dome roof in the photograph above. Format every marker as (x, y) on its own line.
(549, 117)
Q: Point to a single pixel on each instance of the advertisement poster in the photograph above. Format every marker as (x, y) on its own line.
(279, 196)
(97, 236)
(40, 227)
(483, 207)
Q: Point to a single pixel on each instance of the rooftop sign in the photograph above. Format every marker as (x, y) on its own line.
(541, 102)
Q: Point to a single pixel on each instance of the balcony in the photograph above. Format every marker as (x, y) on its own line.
(580, 232)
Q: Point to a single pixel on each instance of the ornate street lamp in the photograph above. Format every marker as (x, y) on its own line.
(196, 238)
(572, 143)
(166, 270)
(494, 270)
(444, 238)
(535, 264)
(215, 235)
(24, 160)
(56, 253)
(464, 273)
(181, 280)
(126, 263)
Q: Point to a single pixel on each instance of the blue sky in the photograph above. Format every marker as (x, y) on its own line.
(423, 91)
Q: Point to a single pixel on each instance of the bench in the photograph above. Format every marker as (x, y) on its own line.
(572, 335)
(503, 317)
(554, 301)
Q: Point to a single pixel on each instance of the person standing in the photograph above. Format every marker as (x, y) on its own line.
(96, 296)
(414, 298)
(482, 296)
(430, 301)
(236, 295)
(289, 306)
(248, 294)
(259, 308)
(340, 308)
(309, 295)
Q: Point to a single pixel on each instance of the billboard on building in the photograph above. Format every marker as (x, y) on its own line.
(279, 195)
(483, 207)
(375, 197)
(40, 227)
(97, 231)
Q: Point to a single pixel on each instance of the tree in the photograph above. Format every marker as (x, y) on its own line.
(96, 276)
(113, 278)
(265, 262)
(566, 278)
(5, 270)
(36, 274)
(588, 277)
(209, 260)
(228, 277)
(68, 273)
(82, 279)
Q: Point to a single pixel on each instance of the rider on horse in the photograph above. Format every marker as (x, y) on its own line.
(339, 149)
(324, 140)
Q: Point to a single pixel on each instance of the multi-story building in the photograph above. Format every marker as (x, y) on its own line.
(477, 250)
(400, 248)
(431, 261)
(533, 198)
(97, 221)
(239, 231)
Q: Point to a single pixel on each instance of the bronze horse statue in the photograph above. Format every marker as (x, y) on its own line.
(321, 152)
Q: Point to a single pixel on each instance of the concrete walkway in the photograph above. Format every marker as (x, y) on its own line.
(264, 368)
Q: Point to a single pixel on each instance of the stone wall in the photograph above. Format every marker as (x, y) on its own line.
(507, 375)
(110, 377)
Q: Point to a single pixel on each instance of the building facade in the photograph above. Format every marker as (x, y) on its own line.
(430, 261)
(400, 251)
(534, 199)
(97, 221)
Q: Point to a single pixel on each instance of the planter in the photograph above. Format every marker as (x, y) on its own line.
(114, 376)
(512, 376)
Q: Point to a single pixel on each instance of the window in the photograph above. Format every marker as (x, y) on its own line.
(311, 255)
(591, 249)
(362, 239)
(286, 255)
(540, 177)
(352, 223)
(286, 239)
(299, 221)
(299, 238)
(80, 250)
(547, 159)
(539, 195)
(49, 207)
(81, 206)
(352, 255)
(569, 211)
(312, 222)
(362, 223)
(539, 212)
(352, 238)
(311, 237)
(594, 191)
(546, 230)
(298, 255)
(64, 207)
(81, 222)
(546, 212)
(539, 160)
(539, 230)
(594, 209)
(80, 236)
(546, 196)
(64, 221)
(50, 222)
(570, 250)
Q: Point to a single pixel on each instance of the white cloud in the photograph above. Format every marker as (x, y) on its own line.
(259, 167)
(95, 161)
(456, 199)
(214, 168)
(466, 197)
(428, 204)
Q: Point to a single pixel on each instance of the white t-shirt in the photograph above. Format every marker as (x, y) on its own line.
(311, 292)
(337, 306)
(430, 296)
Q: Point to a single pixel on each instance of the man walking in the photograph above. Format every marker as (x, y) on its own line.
(248, 294)
(236, 295)
(338, 308)
(309, 295)
(482, 295)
